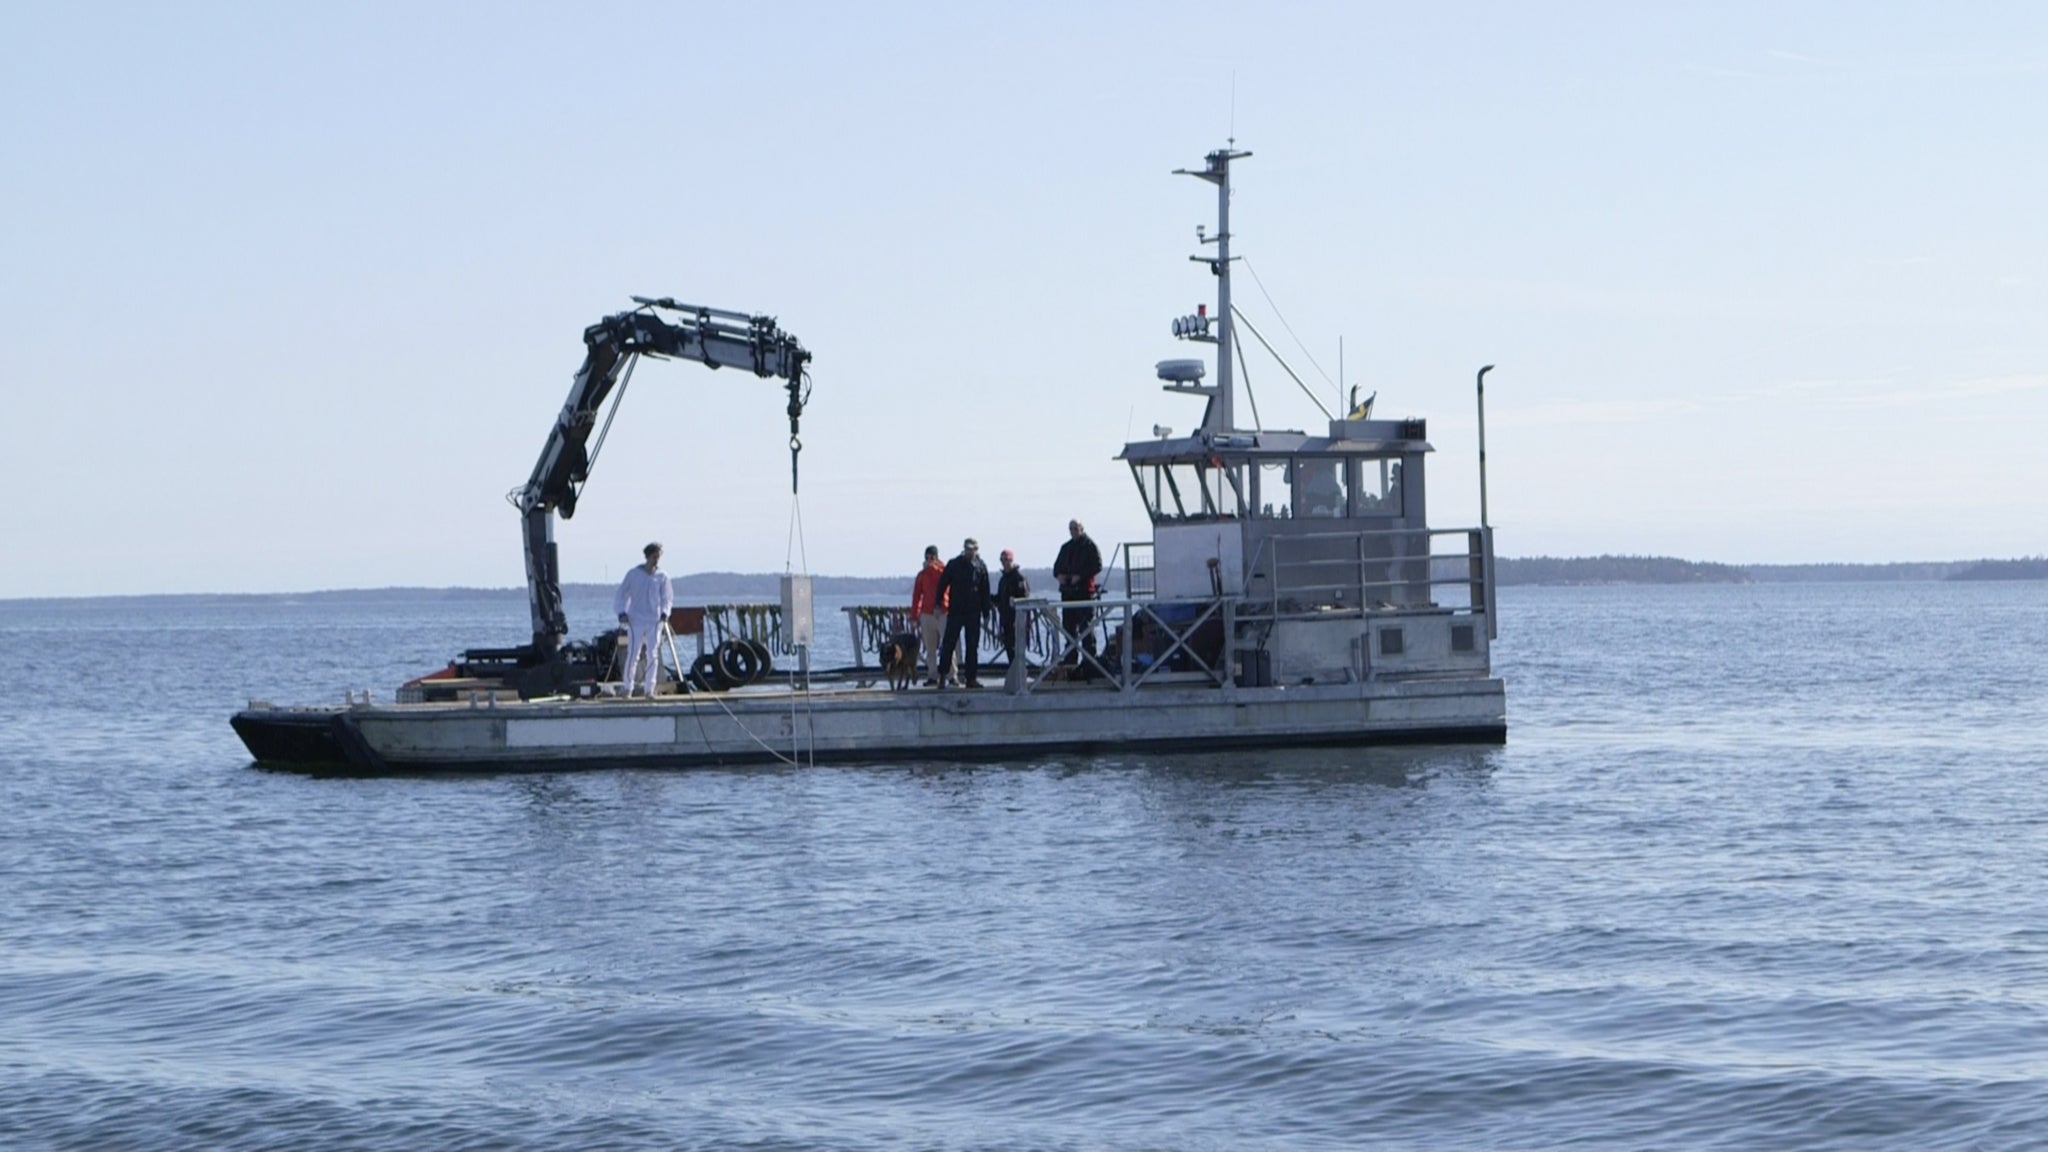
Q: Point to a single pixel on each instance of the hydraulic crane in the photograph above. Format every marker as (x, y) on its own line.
(661, 328)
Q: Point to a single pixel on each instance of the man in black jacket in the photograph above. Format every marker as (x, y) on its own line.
(1010, 588)
(963, 588)
(1076, 568)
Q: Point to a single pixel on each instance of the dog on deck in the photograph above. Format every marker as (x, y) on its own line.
(899, 659)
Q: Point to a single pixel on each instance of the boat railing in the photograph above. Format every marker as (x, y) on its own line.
(1126, 642)
(759, 622)
(1315, 574)
(868, 625)
(1140, 575)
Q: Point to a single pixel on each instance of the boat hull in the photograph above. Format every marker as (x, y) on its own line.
(847, 725)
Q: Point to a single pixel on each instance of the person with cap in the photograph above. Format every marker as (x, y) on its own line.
(1076, 568)
(927, 614)
(1011, 587)
(642, 603)
(964, 586)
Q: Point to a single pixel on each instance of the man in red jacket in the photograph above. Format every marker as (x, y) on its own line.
(928, 609)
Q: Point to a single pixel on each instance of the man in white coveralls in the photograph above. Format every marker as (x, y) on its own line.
(642, 602)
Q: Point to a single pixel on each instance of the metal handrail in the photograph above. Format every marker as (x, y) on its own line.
(870, 624)
(1132, 568)
(1477, 577)
(749, 620)
(1119, 618)
(1046, 645)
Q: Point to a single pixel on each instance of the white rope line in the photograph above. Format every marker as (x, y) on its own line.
(801, 551)
(797, 757)
(683, 677)
(796, 538)
(717, 699)
(1283, 322)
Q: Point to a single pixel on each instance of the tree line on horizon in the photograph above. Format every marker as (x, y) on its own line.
(1525, 570)
(1671, 570)
(1604, 569)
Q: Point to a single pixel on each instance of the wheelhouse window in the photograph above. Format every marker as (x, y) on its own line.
(1320, 486)
(1191, 490)
(1223, 489)
(1378, 490)
(1272, 480)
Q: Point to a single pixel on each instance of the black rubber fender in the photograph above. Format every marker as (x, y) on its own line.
(737, 662)
(766, 658)
(705, 675)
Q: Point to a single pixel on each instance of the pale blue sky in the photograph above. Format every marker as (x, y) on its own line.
(292, 292)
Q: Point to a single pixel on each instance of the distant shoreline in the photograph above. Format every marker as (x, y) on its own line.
(690, 586)
(1587, 570)
(1573, 571)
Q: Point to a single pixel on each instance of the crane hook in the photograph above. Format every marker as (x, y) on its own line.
(796, 410)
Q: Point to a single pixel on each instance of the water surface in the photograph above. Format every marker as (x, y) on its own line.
(1759, 867)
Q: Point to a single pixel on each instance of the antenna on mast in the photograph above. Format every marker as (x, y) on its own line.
(1219, 419)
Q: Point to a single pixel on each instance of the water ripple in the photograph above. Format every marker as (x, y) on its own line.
(1721, 890)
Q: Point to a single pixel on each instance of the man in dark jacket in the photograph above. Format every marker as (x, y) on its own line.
(963, 586)
(1010, 588)
(1076, 568)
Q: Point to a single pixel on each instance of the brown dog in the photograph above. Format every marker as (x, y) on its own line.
(899, 659)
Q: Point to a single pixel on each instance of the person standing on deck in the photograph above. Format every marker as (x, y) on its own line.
(1011, 587)
(1076, 568)
(643, 602)
(964, 584)
(927, 607)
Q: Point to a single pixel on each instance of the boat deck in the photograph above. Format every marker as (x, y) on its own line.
(847, 723)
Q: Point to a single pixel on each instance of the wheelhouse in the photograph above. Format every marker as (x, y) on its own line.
(1283, 511)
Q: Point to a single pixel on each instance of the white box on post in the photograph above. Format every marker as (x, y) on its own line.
(798, 628)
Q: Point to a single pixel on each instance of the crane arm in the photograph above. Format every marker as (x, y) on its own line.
(659, 328)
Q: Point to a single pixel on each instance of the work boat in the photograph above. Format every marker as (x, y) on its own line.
(1292, 593)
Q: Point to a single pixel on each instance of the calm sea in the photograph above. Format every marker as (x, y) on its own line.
(1758, 868)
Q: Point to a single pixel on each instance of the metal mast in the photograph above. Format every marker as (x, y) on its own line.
(1223, 415)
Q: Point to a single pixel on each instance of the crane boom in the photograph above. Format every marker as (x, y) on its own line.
(660, 328)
